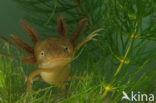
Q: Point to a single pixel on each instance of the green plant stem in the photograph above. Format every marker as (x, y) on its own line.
(120, 66)
(124, 58)
(105, 93)
(123, 61)
(53, 12)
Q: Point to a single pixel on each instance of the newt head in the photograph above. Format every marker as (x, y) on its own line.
(58, 51)
(54, 52)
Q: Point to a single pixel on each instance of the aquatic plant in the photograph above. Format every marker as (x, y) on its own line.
(122, 58)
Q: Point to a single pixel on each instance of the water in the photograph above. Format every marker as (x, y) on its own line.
(10, 14)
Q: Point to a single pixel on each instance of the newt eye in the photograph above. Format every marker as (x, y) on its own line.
(65, 49)
(42, 53)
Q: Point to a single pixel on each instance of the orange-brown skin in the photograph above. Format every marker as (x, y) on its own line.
(53, 55)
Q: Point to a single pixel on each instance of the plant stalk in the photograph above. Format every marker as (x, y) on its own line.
(132, 38)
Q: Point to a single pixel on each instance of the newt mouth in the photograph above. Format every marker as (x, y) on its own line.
(57, 62)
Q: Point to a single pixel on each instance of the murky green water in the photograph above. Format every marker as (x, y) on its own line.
(10, 14)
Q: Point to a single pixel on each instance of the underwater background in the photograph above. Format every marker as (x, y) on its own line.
(11, 13)
(98, 61)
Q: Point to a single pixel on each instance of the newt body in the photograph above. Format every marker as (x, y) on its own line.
(53, 55)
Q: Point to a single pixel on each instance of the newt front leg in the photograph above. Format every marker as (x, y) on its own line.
(33, 74)
(88, 38)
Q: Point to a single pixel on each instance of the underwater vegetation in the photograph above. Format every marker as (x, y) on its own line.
(119, 65)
